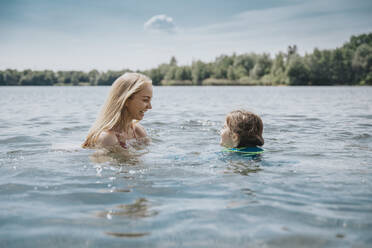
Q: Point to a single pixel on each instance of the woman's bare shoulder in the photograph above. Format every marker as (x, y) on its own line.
(107, 138)
(140, 131)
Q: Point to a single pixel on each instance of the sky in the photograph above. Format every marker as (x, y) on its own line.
(141, 34)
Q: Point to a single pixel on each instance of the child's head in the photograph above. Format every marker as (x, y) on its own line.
(242, 129)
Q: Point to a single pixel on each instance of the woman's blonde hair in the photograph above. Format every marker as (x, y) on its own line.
(113, 112)
(248, 126)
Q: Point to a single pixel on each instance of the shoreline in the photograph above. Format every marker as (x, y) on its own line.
(196, 85)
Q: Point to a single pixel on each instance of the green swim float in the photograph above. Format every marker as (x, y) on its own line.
(245, 150)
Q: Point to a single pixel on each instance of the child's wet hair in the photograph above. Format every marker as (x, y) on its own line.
(248, 126)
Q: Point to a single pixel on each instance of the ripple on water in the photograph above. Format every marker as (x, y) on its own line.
(66, 147)
(365, 125)
(127, 235)
(19, 139)
(368, 117)
(362, 136)
(37, 123)
(83, 197)
(14, 188)
(75, 128)
(311, 187)
(298, 240)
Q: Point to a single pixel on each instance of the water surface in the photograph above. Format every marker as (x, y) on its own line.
(312, 187)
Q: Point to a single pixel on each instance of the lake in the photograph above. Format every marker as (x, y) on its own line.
(312, 187)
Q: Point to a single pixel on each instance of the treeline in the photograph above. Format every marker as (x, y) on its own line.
(350, 64)
(47, 77)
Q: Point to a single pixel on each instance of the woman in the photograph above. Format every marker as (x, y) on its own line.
(129, 98)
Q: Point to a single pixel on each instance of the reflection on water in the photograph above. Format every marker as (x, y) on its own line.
(242, 164)
(139, 209)
(103, 156)
(130, 156)
(100, 157)
(243, 168)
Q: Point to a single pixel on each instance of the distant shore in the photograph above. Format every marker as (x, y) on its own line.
(350, 64)
(181, 84)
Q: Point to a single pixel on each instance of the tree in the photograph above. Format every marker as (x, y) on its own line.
(319, 66)
(173, 61)
(291, 52)
(362, 62)
(107, 78)
(11, 77)
(297, 72)
(171, 73)
(2, 78)
(199, 72)
(356, 41)
(93, 76)
(230, 73)
(155, 75)
(340, 70)
(243, 64)
(221, 66)
(278, 68)
(183, 73)
(262, 67)
(49, 77)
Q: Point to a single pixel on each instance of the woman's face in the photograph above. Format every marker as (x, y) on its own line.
(140, 102)
(228, 138)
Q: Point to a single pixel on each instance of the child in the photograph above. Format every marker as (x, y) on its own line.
(242, 133)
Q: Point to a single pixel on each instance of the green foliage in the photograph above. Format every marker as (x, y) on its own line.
(262, 66)
(183, 73)
(347, 65)
(278, 70)
(231, 73)
(221, 66)
(319, 67)
(2, 78)
(340, 69)
(199, 72)
(38, 78)
(362, 62)
(243, 64)
(155, 75)
(356, 41)
(171, 73)
(173, 61)
(11, 77)
(176, 82)
(297, 71)
(93, 77)
(107, 78)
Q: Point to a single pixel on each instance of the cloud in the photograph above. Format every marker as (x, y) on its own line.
(325, 25)
(160, 23)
